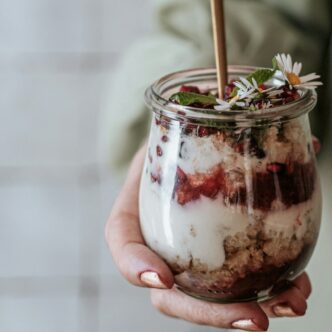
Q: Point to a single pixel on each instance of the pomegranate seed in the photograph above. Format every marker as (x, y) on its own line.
(189, 128)
(188, 88)
(203, 131)
(159, 151)
(164, 138)
(155, 178)
(275, 167)
(289, 95)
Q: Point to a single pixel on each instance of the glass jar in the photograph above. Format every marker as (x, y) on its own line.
(230, 200)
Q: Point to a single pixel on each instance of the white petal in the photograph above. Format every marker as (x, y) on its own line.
(246, 83)
(310, 84)
(289, 63)
(284, 59)
(240, 85)
(313, 83)
(309, 87)
(268, 90)
(223, 105)
(278, 58)
(284, 74)
(297, 68)
(309, 77)
(282, 62)
(247, 93)
(279, 63)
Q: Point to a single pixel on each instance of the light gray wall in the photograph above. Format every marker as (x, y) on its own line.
(56, 57)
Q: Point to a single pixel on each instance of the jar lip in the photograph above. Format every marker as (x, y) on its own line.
(156, 102)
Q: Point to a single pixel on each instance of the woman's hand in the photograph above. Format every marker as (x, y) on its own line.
(142, 267)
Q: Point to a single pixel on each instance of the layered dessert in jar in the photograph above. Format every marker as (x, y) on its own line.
(230, 196)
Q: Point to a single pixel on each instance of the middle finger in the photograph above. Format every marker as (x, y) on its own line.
(290, 303)
(246, 316)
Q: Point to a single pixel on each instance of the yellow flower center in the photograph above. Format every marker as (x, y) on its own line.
(234, 99)
(293, 79)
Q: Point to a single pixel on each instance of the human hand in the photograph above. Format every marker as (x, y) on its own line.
(142, 267)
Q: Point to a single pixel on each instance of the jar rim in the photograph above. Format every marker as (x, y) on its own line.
(157, 103)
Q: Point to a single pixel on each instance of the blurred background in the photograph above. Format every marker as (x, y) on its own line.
(56, 61)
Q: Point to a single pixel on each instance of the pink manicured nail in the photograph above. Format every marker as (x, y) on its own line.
(284, 311)
(151, 279)
(246, 324)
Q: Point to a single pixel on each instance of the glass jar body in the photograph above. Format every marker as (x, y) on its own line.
(234, 211)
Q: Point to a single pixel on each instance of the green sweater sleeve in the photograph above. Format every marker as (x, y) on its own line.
(182, 38)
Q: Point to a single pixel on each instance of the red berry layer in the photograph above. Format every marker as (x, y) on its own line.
(290, 184)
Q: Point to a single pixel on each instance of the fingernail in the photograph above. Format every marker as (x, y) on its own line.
(246, 324)
(151, 279)
(284, 311)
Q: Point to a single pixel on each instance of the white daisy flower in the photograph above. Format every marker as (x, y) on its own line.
(246, 88)
(291, 73)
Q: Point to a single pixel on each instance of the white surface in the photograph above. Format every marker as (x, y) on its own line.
(55, 270)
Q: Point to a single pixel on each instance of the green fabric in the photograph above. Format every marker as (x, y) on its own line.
(182, 38)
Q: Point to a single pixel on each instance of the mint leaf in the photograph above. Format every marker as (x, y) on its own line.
(261, 75)
(189, 98)
(275, 64)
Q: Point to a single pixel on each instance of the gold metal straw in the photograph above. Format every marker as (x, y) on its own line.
(218, 23)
